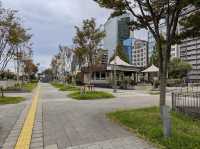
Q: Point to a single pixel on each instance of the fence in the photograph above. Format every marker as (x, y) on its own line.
(186, 102)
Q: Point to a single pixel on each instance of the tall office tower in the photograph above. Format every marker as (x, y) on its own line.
(117, 30)
(128, 45)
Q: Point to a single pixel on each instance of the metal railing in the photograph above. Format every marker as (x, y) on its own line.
(186, 102)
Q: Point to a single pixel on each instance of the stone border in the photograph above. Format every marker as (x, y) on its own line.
(37, 141)
(16, 130)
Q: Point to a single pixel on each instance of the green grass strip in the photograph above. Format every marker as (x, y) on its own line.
(10, 100)
(91, 95)
(147, 124)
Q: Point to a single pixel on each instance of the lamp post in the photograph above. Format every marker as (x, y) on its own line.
(115, 74)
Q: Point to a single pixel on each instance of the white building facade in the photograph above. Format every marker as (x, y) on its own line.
(140, 53)
(190, 50)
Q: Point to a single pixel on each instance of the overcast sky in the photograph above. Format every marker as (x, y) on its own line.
(52, 22)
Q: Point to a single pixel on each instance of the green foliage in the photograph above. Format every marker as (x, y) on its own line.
(13, 36)
(30, 68)
(154, 59)
(7, 75)
(174, 82)
(148, 124)
(91, 95)
(121, 53)
(24, 87)
(29, 86)
(10, 100)
(69, 88)
(87, 42)
(57, 85)
(178, 68)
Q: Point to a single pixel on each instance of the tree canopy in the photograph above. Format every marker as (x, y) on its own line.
(13, 36)
(87, 42)
(178, 68)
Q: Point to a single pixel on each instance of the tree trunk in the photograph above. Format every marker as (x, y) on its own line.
(90, 73)
(164, 109)
(18, 72)
(163, 83)
(2, 92)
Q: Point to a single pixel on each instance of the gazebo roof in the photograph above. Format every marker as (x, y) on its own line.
(118, 61)
(152, 68)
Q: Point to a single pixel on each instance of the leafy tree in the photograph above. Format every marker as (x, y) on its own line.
(54, 66)
(148, 14)
(30, 68)
(13, 36)
(48, 73)
(79, 58)
(121, 53)
(178, 68)
(154, 59)
(87, 43)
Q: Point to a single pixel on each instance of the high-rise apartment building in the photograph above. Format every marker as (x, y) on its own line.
(190, 49)
(140, 53)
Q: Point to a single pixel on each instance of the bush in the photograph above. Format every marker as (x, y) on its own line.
(170, 83)
(174, 82)
(34, 81)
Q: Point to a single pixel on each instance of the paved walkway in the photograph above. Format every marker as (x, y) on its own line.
(72, 124)
(9, 114)
(63, 123)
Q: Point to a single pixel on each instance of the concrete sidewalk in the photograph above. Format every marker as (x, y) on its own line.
(71, 124)
(9, 115)
(64, 123)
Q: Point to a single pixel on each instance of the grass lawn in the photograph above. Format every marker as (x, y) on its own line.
(10, 100)
(91, 95)
(69, 88)
(63, 87)
(29, 86)
(57, 85)
(147, 124)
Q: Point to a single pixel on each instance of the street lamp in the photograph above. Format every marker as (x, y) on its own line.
(115, 73)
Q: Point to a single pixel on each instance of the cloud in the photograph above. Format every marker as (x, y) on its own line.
(52, 22)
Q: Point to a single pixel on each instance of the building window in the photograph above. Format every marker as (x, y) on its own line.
(97, 76)
(103, 76)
